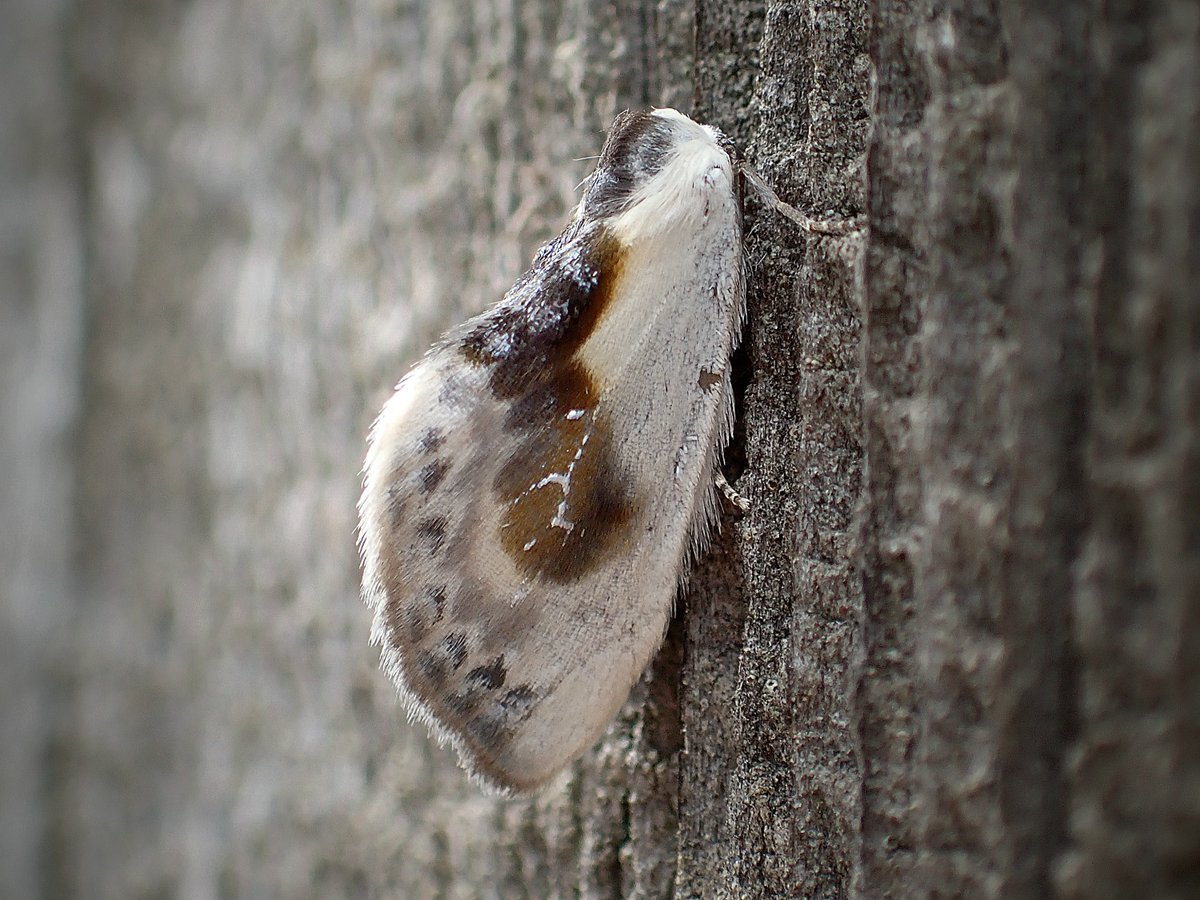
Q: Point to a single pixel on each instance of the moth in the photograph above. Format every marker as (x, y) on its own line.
(537, 486)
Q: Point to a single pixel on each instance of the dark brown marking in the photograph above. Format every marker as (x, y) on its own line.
(395, 505)
(486, 729)
(424, 611)
(462, 705)
(431, 475)
(489, 677)
(432, 667)
(600, 507)
(435, 602)
(432, 533)
(431, 440)
(708, 380)
(639, 145)
(550, 313)
(549, 400)
(454, 646)
(548, 439)
(530, 344)
(518, 702)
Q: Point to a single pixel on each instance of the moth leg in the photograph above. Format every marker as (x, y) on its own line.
(731, 494)
(812, 226)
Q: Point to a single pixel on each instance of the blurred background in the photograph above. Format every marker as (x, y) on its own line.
(227, 227)
(952, 650)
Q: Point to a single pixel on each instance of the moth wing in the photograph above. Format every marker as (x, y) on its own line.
(532, 496)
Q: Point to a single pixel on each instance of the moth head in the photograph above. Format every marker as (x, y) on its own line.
(659, 170)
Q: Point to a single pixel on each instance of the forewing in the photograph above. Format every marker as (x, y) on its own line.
(536, 483)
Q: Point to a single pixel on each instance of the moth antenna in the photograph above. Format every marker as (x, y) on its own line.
(812, 226)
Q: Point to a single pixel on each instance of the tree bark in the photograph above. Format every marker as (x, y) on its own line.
(953, 649)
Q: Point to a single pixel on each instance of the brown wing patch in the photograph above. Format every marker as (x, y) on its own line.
(566, 504)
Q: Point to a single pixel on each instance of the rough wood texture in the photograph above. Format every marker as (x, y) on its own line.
(1030, 525)
(952, 650)
(789, 802)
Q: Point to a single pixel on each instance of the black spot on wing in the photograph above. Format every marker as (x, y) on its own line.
(487, 729)
(489, 723)
(434, 602)
(489, 677)
(431, 475)
(519, 701)
(432, 533)
(431, 667)
(462, 705)
(431, 440)
(412, 619)
(454, 646)
(424, 611)
(492, 723)
(708, 380)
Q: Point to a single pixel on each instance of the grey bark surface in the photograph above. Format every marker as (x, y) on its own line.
(953, 649)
